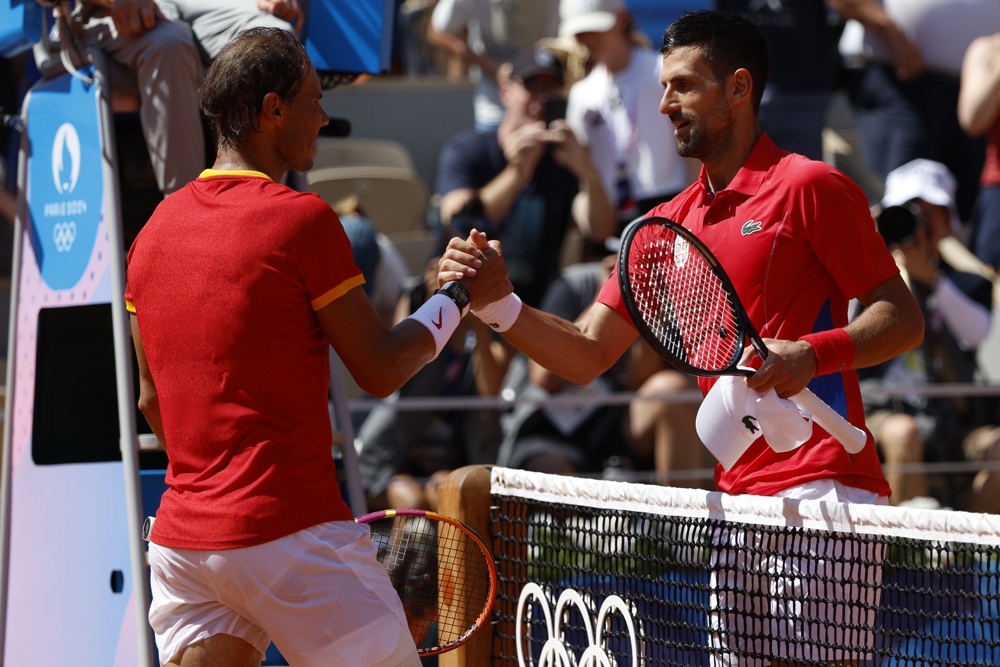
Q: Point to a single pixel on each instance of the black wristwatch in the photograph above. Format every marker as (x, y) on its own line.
(458, 293)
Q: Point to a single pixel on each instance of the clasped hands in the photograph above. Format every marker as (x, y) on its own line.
(478, 263)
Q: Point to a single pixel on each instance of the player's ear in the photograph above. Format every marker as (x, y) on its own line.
(270, 107)
(741, 86)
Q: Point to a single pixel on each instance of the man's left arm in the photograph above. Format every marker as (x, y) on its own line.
(890, 325)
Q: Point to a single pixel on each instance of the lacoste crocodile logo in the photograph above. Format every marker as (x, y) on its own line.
(751, 423)
(751, 227)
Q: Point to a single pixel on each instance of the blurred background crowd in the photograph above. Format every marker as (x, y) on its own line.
(537, 121)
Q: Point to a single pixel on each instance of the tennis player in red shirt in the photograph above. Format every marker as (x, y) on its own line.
(798, 241)
(237, 286)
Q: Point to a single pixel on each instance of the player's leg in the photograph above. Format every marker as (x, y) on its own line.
(824, 589)
(217, 650)
(324, 598)
(191, 626)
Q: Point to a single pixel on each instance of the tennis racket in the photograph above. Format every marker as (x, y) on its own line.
(685, 306)
(443, 572)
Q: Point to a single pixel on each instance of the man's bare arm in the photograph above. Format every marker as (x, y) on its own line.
(890, 325)
(979, 95)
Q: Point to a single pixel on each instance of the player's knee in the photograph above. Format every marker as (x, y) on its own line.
(900, 439)
(665, 382)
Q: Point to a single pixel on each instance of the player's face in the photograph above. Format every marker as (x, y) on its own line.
(694, 100)
(306, 117)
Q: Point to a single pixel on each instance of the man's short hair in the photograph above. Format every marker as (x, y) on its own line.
(727, 41)
(257, 62)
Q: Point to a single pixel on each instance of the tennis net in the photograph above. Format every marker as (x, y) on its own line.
(605, 573)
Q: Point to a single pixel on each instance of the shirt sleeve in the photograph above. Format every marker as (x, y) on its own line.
(611, 296)
(842, 233)
(323, 257)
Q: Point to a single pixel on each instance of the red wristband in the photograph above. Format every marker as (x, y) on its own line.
(834, 350)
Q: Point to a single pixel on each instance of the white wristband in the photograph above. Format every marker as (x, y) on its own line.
(501, 315)
(441, 317)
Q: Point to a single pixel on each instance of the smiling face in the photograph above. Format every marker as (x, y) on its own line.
(303, 116)
(696, 102)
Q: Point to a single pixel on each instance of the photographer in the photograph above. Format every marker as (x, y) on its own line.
(526, 182)
(917, 215)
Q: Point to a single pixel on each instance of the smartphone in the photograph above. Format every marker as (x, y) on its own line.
(555, 108)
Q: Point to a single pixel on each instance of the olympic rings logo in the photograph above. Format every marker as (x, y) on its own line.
(64, 234)
(554, 651)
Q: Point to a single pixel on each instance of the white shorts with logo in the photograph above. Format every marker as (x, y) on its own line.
(319, 594)
(791, 598)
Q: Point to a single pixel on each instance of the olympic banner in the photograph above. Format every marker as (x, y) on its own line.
(69, 582)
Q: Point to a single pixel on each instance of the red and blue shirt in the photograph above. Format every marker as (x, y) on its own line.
(798, 241)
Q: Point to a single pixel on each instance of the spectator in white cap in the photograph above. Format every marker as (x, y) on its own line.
(917, 218)
(924, 181)
(615, 109)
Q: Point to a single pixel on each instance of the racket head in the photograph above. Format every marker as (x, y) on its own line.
(443, 572)
(681, 300)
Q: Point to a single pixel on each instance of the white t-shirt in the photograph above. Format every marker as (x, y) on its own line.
(618, 117)
(942, 29)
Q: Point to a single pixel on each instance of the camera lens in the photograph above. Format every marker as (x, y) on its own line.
(898, 224)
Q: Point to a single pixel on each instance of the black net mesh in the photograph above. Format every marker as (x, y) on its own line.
(586, 582)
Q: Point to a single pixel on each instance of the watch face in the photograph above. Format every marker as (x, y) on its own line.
(458, 293)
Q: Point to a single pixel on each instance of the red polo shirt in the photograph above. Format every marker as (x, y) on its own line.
(798, 241)
(225, 279)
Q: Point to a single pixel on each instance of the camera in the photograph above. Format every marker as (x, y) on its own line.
(898, 225)
(555, 108)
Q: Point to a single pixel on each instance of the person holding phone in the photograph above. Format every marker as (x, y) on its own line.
(528, 181)
(614, 110)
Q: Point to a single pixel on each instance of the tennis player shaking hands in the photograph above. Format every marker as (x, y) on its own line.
(795, 236)
(237, 287)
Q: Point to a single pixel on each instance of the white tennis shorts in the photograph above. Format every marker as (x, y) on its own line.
(319, 594)
(793, 597)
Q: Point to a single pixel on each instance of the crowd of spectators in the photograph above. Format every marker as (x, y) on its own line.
(901, 83)
(568, 140)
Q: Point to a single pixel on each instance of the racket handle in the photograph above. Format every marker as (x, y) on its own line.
(850, 436)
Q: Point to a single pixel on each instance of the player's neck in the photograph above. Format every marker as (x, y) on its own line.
(244, 158)
(721, 169)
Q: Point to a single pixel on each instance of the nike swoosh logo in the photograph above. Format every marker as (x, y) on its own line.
(440, 319)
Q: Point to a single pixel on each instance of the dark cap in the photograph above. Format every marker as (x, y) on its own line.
(535, 63)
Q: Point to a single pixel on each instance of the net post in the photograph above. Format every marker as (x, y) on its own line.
(465, 495)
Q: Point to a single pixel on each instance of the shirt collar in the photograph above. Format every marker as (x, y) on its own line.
(748, 179)
(209, 173)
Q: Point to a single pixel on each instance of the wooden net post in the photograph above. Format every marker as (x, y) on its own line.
(465, 495)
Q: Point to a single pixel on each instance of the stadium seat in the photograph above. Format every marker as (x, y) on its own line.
(393, 198)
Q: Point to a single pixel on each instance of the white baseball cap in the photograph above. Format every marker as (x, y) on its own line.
(922, 179)
(732, 416)
(578, 16)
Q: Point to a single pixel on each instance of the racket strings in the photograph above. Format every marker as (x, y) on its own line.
(442, 578)
(683, 301)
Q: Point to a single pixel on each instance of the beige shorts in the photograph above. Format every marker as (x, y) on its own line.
(785, 596)
(319, 594)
